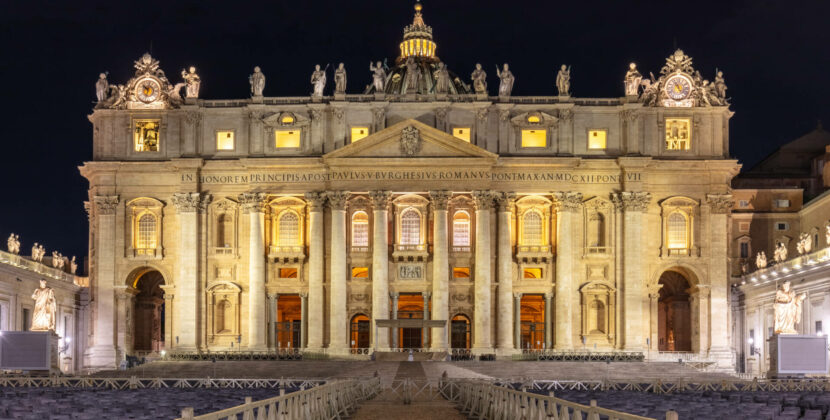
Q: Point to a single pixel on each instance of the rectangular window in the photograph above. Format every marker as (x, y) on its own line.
(743, 226)
(743, 204)
(287, 138)
(462, 133)
(782, 226)
(360, 272)
(288, 273)
(534, 138)
(27, 319)
(146, 136)
(461, 272)
(596, 139)
(678, 133)
(782, 203)
(532, 273)
(359, 133)
(818, 328)
(225, 140)
(744, 250)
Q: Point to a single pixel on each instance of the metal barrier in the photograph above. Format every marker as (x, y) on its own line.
(581, 356)
(282, 354)
(334, 400)
(147, 383)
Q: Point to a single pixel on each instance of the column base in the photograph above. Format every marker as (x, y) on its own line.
(101, 358)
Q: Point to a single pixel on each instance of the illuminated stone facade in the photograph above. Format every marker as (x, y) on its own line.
(515, 233)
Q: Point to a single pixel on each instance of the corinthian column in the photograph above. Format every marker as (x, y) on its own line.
(482, 280)
(102, 354)
(505, 272)
(440, 268)
(338, 320)
(186, 317)
(720, 207)
(315, 269)
(253, 204)
(634, 204)
(567, 205)
(380, 267)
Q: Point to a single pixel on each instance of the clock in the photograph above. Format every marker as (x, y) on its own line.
(147, 90)
(678, 87)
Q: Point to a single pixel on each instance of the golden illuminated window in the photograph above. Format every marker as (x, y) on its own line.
(288, 273)
(596, 139)
(360, 229)
(287, 119)
(146, 136)
(146, 238)
(461, 228)
(532, 229)
(410, 227)
(462, 133)
(224, 140)
(532, 273)
(461, 272)
(534, 138)
(289, 229)
(533, 119)
(360, 272)
(677, 231)
(678, 134)
(359, 133)
(287, 138)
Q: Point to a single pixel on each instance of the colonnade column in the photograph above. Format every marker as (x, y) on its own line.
(254, 205)
(103, 354)
(504, 321)
(548, 326)
(187, 284)
(425, 330)
(338, 321)
(482, 280)
(394, 298)
(315, 270)
(304, 320)
(380, 268)
(440, 269)
(567, 204)
(272, 320)
(720, 207)
(634, 204)
(517, 320)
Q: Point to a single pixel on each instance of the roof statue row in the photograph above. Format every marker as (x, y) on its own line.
(418, 71)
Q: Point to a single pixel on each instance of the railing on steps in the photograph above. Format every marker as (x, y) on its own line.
(334, 400)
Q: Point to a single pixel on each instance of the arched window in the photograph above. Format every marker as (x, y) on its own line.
(677, 232)
(410, 227)
(461, 228)
(224, 231)
(532, 228)
(360, 229)
(289, 229)
(596, 230)
(146, 238)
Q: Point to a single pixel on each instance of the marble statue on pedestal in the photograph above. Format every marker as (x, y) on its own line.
(632, 80)
(720, 86)
(780, 254)
(257, 81)
(340, 79)
(507, 80)
(787, 309)
(378, 76)
(761, 260)
(413, 76)
(479, 77)
(102, 88)
(57, 260)
(318, 81)
(73, 265)
(192, 82)
(805, 244)
(827, 235)
(13, 243)
(563, 81)
(43, 317)
(442, 79)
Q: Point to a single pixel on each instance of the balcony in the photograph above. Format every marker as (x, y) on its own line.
(360, 250)
(597, 251)
(286, 254)
(534, 253)
(410, 252)
(223, 250)
(145, 253)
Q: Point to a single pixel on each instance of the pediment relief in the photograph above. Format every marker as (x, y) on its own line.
(224, 287)
(597, 204)
(410, 200)
(410, 139)
(462, 201)
(359, 202)
(679, 202)
(145, 202)
(534, 119)
(287, 202)
(533, 201)
(597, 285)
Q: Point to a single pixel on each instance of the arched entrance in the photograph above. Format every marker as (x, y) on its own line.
(460, 332)
(289, 321)
(148, 324)
(533, 321)
(360, 330)
(410, 306)
(674, 315)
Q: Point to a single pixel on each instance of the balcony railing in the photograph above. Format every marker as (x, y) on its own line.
(597, 250)
(411, 248)
(534, 248)
(285, 250)
(223, 250)
(795, 266)
(361, 249)
(461, 249)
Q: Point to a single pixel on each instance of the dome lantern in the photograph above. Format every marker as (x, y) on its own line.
(417, 39)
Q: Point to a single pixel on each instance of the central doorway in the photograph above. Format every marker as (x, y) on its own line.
(289, 321)
(148, 324)
(410, 306)
(533, 322)
(460, 332)
(674, 313)
(360, 330)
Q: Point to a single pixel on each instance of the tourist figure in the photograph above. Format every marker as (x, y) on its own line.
(340, 79)
(479, 77)
(318, 81)
(632, 81)
(43, 317)
(442, 79)
(257, 81)
(192, 82)
(101, 87)
(787, 309)
(563, 81)
(507, 80)
(378, 76)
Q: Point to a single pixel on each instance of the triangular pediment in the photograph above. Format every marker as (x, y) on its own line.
(410, 139)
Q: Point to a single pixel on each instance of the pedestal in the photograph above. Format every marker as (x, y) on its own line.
(797, 355)
(34, 351)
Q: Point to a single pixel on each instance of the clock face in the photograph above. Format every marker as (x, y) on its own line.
(147, 90)
(678, 87)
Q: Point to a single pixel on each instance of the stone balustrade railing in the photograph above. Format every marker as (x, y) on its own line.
(20, 261)
(797, 266)
(299, 100)
(333, 400)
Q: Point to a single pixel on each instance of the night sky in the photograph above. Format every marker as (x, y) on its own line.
(773, 55)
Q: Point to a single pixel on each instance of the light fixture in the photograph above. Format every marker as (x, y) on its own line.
(750, 340)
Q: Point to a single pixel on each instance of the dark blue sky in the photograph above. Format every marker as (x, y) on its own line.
(773, 54)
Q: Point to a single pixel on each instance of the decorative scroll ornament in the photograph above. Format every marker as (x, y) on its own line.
(147, 89)
(568, 201)
(105, 204)
(410, 141)
(380, 199)
(505, 200)
(252, 202)
(720, 203)
(440, 199)
(483, 199)
(337, 199)
(315, 200)
(680, 85)
(187, 202)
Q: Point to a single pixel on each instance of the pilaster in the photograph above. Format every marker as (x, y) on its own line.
(102, 355)
(505, 202)
(482, 280)
(566, 204)
(253, 204)
(634, 205)
(338, 320)
(440, 267)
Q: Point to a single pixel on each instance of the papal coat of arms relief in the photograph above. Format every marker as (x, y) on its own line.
(410, 141)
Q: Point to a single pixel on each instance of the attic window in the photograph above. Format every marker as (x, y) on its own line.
(287, 119)
(534, 138)
(359, 133)
(534, 119)
(462, 133)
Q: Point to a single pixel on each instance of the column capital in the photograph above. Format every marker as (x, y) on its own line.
(567, 200)
(517, 295)
(380, 199)
(720, 203)
(426, 295)
(393, 295)
(272, 296)
(483, 199)
(315, 200)
(187, 202)
(252, 202)
(105, 204)
(548, 295)
(631, 201)
(337, 199)
(303, 295)
(440, 199)
(505, 201)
